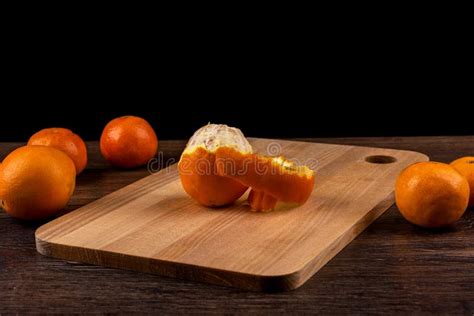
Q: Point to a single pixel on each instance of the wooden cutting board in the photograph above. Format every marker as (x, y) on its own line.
(153, 226)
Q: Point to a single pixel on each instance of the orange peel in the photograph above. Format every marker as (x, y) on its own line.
(272, 179)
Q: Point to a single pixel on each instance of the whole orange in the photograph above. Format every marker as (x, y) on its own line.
(36, 182)
(465, 166)
(128, 142)
(431, 194)
(64, 140)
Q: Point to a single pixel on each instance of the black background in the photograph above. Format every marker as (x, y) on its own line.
(180, 122)
(354, 79)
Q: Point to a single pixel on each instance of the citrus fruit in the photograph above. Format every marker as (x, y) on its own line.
(64, 140)
(36, 182)
(431, 194)
(128, 142)
(197, 169)
(465, 166)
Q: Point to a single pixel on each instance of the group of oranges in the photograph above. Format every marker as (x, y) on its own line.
(37, 180)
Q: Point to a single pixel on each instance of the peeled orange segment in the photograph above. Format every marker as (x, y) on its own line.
(197, 169)
(274, 177)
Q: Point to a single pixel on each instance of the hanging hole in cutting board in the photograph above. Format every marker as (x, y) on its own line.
(380, 159)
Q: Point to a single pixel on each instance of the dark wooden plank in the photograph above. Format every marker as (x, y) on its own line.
(391, 267)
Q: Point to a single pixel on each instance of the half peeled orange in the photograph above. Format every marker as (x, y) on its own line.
(218, 166)
(197, 168)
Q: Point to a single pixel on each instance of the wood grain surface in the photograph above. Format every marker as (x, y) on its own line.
(391, 267)
(153, 226)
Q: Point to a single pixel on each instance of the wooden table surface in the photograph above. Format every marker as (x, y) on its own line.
(391, 267)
